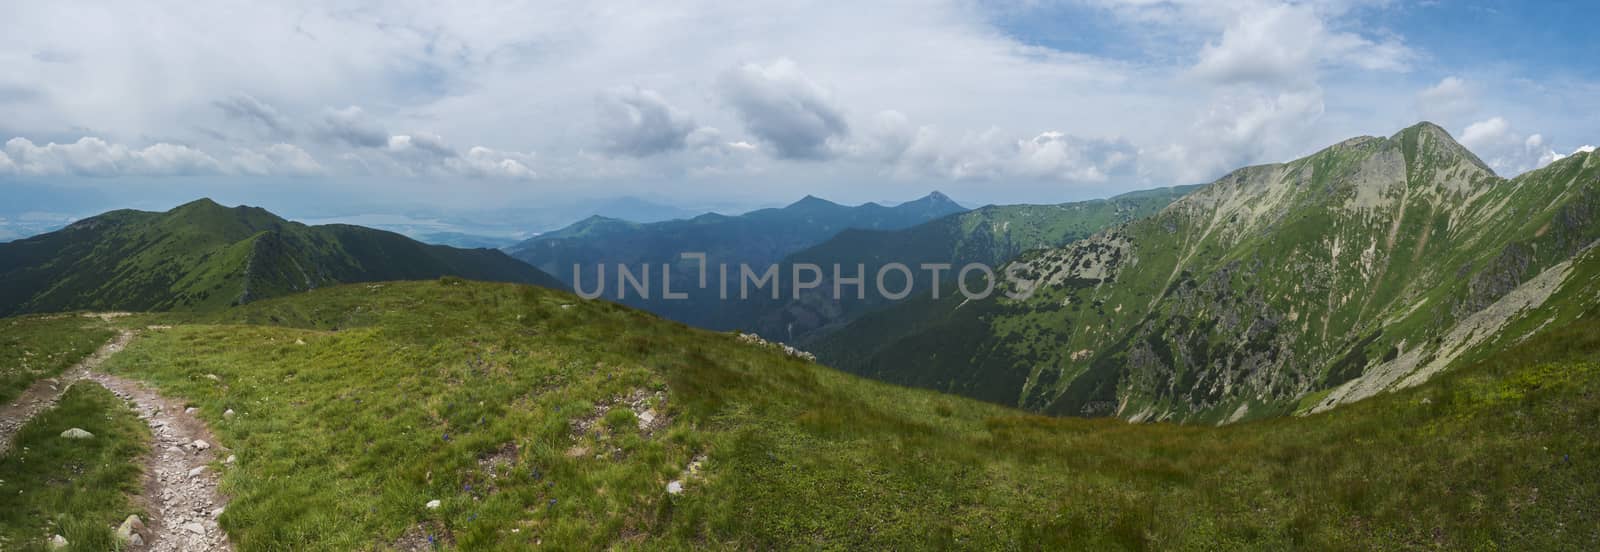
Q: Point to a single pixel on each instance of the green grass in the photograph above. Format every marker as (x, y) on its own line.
(36, 347)
(343, 439)
(79, 489)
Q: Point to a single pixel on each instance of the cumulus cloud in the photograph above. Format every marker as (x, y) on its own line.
(1551, 156)
(420, 145)
(277, 159)
(1187, 89)
(247, 108)
(1236, 129)
(352, 127)
(784, 108)
(483, 162)
(919, 151)
(1289, 42)
(424, 154)
(639, 122)
(1445, 101)
(1506, 150)
(91, 156)
(95, 157)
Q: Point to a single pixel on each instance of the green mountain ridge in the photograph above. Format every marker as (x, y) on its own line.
(758, 238)
(204, 255)
(1279, 288)
(990, 235)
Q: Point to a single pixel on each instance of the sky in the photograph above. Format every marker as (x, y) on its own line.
(363, 108)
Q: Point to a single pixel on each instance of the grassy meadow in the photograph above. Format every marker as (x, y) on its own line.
(519, 409)
(78, 488)
(36, 347)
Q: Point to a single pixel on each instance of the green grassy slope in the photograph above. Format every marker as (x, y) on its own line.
(990, 235)
(1364, 267)
(79, 489)
(202, 255)
(518, 408)
(35, 347)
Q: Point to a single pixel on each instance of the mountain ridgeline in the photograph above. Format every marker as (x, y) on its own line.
(1371, 265)
(204, 255)
(758, 238)
(989, 235)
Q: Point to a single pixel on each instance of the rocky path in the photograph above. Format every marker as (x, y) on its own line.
(44, 393)
(180, 487)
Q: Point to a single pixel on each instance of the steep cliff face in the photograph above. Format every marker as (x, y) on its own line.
(1347, 271)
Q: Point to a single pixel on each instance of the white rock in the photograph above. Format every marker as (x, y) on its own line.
(195, 527)
(230, 459)
(228, 414)
(197, 471)
(675, 487)
(190, 410)
(432, 504)
(200, 445)
(76, 433)
(130, 529)
(58, 542)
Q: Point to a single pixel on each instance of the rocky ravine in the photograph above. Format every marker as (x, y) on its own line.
(180, 484)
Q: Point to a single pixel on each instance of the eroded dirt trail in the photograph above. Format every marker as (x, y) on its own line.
(180, 480)
(44, 393)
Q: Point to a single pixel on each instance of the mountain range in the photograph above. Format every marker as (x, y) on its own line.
(1277, 289)
(203, 255)
(757, 238)
(1404, 341)
(990, 235)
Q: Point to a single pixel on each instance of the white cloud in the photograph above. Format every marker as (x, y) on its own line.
(353, 127)
(1289, 43)
(256, 113)
(1237, 129)
(1551, 156)
(1508, 152)
(1446, 101)
(421, 145)
(277, 159)
(639, 122)
(428, 155)
(95, 157)
(784, 108)
(91, 156)
(487, 163)
(921, 151)
(1182, 91)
